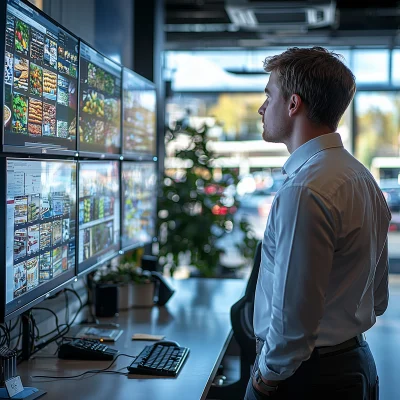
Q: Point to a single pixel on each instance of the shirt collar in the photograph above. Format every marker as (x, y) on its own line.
(302, 154)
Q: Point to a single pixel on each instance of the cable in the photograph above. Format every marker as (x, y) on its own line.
(93, 371)
(3, 341)
(59, 331)
(35, 332)
(8, 335)
(87, 376)
(62, 329)
(7, 338)
(11, 328)
(3, 338)
(66, 307)
(67, 328)
(56, 318)
(63, 332)
(15, 337)
(76, 294)
(32, 328)
(19, 336)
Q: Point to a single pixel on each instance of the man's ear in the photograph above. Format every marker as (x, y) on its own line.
(295, 103)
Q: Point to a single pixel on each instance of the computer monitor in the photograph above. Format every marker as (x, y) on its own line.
(139, 203)
(139, 116)
(40, 83)
(99, 103)
(38, 243)
(99, 213)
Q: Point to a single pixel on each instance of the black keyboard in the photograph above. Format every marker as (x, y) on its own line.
(86, 349)
(159, 360)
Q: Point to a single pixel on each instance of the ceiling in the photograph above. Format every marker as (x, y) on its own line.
(211, 24)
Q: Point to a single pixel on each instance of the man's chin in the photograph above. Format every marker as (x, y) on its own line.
(267, 138)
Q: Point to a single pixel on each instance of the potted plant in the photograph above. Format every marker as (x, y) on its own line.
(135, 286)
(142, 286)
(117, 276)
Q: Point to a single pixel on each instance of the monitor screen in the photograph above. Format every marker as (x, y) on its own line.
(40, 230)
(40, 82)
(139, 126)
(99, 212)
(139, 203)
(99, 103)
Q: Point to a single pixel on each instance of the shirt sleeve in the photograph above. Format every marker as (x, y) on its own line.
(304, 230)
(381, 286)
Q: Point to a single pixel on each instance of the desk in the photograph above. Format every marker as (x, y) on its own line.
(197, 316)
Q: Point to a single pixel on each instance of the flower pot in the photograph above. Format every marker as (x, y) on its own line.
(143, 294)
(124, 296)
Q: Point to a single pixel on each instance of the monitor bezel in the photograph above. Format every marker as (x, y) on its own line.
(137, 156)
(25, 150)
(97, 154)
(45, 290)
(117, 252)
(138, 244)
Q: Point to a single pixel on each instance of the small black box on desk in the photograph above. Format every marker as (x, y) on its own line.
(106, 300)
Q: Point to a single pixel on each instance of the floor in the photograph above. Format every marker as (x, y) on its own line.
(384, 341)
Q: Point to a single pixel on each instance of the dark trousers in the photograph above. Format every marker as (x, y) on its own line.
(346, 375)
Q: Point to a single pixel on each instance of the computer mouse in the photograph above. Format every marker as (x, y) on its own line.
(168, 343)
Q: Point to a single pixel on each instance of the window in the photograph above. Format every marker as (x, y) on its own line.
(378, 125)
(371, 66)
(345, 129)
(377, 147)
(396, 67)
(235, 115)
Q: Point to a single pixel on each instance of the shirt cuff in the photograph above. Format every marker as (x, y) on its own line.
(267, 373)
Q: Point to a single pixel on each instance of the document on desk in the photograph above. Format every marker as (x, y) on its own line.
(146, 336)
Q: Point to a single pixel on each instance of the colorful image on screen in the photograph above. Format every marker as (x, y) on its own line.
(99, 103)
(139, 202)
(139, 125)
(99, 210)
(36, 194)
(40, 85)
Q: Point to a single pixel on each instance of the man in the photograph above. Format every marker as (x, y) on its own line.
(324, 268)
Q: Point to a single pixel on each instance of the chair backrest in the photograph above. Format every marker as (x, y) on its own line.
(252, 282)
(242, 313)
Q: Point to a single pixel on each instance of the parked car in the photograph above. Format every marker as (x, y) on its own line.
(394, 225)
(391, 191)
(255, 207)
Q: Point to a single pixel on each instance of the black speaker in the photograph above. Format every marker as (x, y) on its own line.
(106, 300)
(149, 263)
(163, 290)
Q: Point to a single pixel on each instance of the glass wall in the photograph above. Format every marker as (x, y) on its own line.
(225, 90)
(370, 66)
(234, 115)
(378, 125)
(395, 68)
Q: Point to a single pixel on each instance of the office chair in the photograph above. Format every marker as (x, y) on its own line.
(242, 327)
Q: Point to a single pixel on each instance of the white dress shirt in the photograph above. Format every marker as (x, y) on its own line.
(324, 266)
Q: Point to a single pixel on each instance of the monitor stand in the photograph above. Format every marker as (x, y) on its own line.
(29, 393)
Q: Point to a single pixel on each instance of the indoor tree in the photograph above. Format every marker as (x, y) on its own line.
(195, 209)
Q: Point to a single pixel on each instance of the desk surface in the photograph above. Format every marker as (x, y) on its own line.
(197, 316)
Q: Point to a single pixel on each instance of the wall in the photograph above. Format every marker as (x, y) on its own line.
(106, 25)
